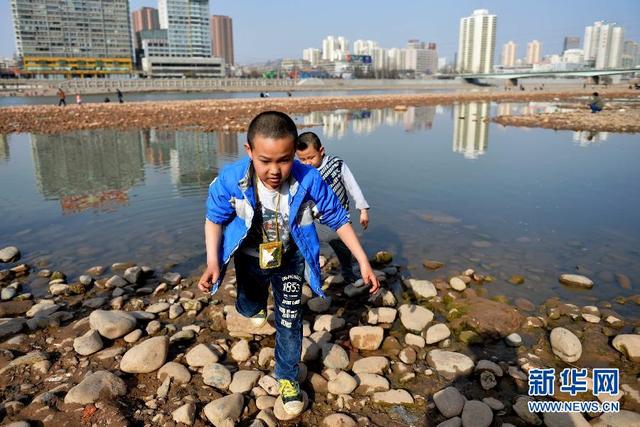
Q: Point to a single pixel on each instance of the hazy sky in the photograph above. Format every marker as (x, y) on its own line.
(282, 28)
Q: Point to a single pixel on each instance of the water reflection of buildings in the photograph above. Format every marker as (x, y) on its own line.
(87, 170)
(471, 129)
(509, 109)
(4, 147)
(336, 123)
(587, 137)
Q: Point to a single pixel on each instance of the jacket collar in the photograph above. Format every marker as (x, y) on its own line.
(245, 182)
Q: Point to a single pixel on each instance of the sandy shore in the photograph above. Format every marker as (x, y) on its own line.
(235, 114)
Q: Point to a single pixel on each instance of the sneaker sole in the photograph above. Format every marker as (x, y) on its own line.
(293, 408)
(257, 323)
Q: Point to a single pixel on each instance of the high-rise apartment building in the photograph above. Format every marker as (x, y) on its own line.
(509, 54)
(335, 48)
(603, 45)
(222, 38)
(534, 52)
(188, 27)
(145, 18)
(312, 55)
(476, 42)
(74, 39)
(570, 42)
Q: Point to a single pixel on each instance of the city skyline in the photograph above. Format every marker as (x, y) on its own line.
(253, 21)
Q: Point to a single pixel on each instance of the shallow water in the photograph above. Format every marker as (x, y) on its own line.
(443, 183)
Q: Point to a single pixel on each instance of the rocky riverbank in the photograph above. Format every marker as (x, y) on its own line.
(235, 114)
(124, 345)
(621, 120)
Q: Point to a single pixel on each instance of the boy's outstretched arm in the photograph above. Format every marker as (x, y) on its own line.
(213, 236)
(348, 236)
(354, 190)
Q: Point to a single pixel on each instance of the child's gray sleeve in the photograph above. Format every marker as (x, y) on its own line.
(353, 188)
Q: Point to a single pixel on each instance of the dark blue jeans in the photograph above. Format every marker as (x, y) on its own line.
(286, 283)
(595, 108)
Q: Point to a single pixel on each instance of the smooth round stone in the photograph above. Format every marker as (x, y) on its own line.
(366, 337)
(9, 254)
(393, 397)
(319, 304)
(437, 333)
(175, 311)
(493, 403)
(488, 380)
(450, 364)
(371, 383)
(476, 414)
(449, 401)
(576, 280)
(153, 327)
(183, 335)
(521, 408)
(334, 356)
(381, 315)
(407, 355)
(225, 411)
(565, 345)
(240, 351)
(422, 288)
(216, 375)
(328, 322)
(88, 343)
(513, 340)
(158, 307)
(269, 384)
(338, 420)
(629, 345)
(112, 324)
(414, 340)
(178, 373)
(415, 317)
(457, 284)
(487, 365)
(98, 385)
(244, 380)
(201, 355)
(133, 336)
(146, 357)
(343, 383)
(265, 402)
(186, 414)
(371, 365)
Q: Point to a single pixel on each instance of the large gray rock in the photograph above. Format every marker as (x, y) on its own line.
(629, 345)
(146, 357)
(112, 324)
(449, 364)
(95, 386)
(216, 375)
(449, 402)
(476, 414)
(88, 343)
(9, 254)
(565, 345)
(225, 411)
(415, 317)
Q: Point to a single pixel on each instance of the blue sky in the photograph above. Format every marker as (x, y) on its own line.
(282, 28)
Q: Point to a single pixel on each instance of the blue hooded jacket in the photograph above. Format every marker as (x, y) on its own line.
(231, 203)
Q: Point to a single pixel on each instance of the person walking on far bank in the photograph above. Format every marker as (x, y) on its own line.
(61, 98)
(78, 99)
(120, 96)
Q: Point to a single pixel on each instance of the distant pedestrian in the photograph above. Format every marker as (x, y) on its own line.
(106, 99)
(261, 94)
(62, 98)
(78, 99)
(595, 103)
(120, 96)
(289, 94)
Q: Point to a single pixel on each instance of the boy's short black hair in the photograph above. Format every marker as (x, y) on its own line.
(272, 124)
(306, 139)
(595, 94)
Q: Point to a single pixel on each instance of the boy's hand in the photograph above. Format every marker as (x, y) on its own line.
(369, 278)
(208, 278)
(364, 218)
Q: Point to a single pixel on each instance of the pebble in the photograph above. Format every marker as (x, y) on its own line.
(244, 380)
(437, 333)
(334, 356)
(158, 307)
(415, 317)
(216, 375)
(487, 365)
(115, 281)
(381, 315)
(88, 343)
(178, 373)
(457, 284)
(493, 403)
(414, 340)
(240, 351)
(407, 355)
(175, 311)
(488, 380)
(565, 345)
(172, 278)
(421, 288)
(366, 337)
(201, 355)
(576, 280)
(225, 411)
(371, 383)
(371, 365)
(629, 345)
(476, 414)
(133, 336)
(112, 324)
(521, 408)
(186, 414)
(146, 357)
(328, 322)
(183, 335)
(343, 383)
(513, 340)
(449, 401)
(153, 327)
(319, 304)
(269, 384)
(449, 364)
(393, 397)
(9, 254)
(100, 384)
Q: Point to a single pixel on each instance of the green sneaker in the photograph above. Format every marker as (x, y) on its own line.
(291, 397)
(259, 318)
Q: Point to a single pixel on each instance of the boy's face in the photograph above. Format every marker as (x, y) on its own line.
(310, 156)
(272, 159)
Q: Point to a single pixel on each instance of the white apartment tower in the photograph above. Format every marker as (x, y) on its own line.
(603, 44)
(534, 52)
(334, 48)
(509, 54)
(476, 42)
(312, 55)
(188, 26)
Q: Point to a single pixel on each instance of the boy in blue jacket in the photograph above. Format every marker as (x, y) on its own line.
(261, 211)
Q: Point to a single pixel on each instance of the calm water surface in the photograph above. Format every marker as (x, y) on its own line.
(443, 184)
